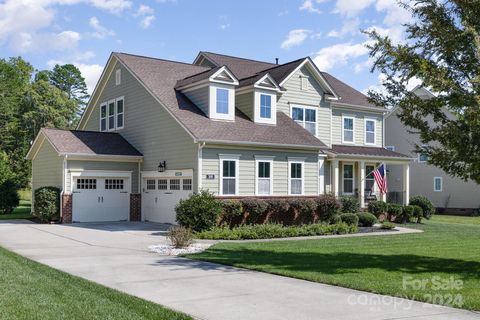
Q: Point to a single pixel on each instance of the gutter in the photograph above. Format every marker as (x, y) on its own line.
(260, 144)
(199, 165)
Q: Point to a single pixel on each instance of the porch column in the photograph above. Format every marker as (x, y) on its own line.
(362, 184)
(384, 195)
(406, 183)
(335, 178)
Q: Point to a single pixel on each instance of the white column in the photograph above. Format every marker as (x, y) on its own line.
(384, 195)
(321, 175)
(335, 178)
(406, 183)
(362, 184)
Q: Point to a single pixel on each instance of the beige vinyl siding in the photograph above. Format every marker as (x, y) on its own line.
(311, 97)
(200, 97)
(47, 167)
(456, 193)
(76, 165)
(244, 102)
(359, 126)
(211, 165)
(148, 126)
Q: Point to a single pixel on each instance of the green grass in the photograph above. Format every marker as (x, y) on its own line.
(29, 290)
(448, 247)
(20, 212)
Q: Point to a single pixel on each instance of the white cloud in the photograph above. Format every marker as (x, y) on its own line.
(395, 33)
(41, 42)
(283, 13)
(100, 31)
(146, 15)
(147, 21)
(308, 6)
(295, 38)
(350, 8)
(394, 13)
(350, 27)
(224, 22)
(91, 73)
(411, 84)
(113, 6)
(338, 54)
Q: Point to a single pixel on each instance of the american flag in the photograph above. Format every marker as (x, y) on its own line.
(381, 179)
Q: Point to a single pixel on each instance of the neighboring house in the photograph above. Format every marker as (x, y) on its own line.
(155, 131)
(449, 194)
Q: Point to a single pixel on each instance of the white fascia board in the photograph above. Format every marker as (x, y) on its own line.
(269, 77)
(228, 72)
(358, 107)
(256, 144)
(98, 157)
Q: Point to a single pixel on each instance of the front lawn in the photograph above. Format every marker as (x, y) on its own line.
(20, 212)
(448, 249)
(29, 290)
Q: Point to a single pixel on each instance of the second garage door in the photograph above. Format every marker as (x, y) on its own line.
(161, 195)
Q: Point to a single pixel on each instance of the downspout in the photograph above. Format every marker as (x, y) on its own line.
(199, 165)
(64, 183)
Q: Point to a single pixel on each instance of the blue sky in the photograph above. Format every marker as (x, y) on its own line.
(84, 32)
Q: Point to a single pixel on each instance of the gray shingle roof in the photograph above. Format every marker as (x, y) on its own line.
(196, 77)
(365, 151)
(90, 143)
(161, 76)
(278, 73)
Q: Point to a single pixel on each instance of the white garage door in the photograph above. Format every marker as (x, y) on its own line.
(160, 195)
(98, 199)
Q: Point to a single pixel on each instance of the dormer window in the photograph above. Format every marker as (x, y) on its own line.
(265, 106)
(222, 101)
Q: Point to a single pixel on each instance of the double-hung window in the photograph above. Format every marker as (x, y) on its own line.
(437, 184)
(369, 131)
(370, 178)
(119, 113)
(296, 177)
(103, 117)
(422, 157)
(348, 179)
(265, 106)
(222, 101)
(111, 115)
(264, 176)
(229, 176)
(306, 117)
(348, 129)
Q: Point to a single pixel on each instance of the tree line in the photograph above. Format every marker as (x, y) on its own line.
(31, 99)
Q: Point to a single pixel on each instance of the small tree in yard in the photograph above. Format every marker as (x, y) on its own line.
(47, 203)
(199, 212)
(442, 52)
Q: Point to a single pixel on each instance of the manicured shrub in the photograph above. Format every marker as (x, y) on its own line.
(232, 212)
(199, 212)
(335, 219)
(407, 213)
(327, 206)
(268, 231)
(180, 237)
(47, 203)
(387, 225)
(256, 209)
(377, 208)
(425, 204)
(417, 213)
(349, 218)
(366, 219)
(305, 210)
(350, 204)
(394, 209)
(9, 198)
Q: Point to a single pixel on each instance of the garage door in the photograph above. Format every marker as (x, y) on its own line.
(98, 199)
(160, 195)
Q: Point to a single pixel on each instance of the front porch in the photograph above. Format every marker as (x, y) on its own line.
(350, 174)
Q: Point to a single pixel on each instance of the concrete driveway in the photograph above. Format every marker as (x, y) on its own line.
(116, 255)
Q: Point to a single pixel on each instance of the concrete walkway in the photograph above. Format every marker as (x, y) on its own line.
(115, 255)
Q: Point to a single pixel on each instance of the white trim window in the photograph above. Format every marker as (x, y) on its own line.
(348, 129)
(296, 177)
(120, 110)
(103, 117)
(229, 172)
(264, 176)
(111, 115)
(422, 157)
(221, 101)
(437, 184)
(390, 148)
(369, 177)
(265, 106)
(370, 129)
(118, 77)
(348, 178)
(306, 117)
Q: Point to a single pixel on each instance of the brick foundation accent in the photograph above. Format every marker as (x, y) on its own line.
(67, 208)
(135, 207)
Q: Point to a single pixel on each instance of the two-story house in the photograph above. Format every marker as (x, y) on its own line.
(155, 131)
(447, 193)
